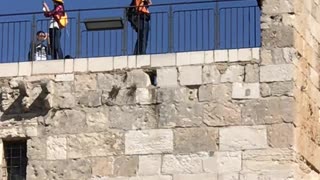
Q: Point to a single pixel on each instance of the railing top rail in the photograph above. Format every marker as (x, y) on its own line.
(122, 7)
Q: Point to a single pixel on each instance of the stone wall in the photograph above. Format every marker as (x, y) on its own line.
(228, 118)
(291, 36)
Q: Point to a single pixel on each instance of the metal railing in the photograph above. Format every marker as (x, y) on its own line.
(175, 27)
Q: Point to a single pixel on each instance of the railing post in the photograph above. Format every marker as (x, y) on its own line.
(124, 33)
(217, 26)
(33, 34)
(78, 40)
(170, 30)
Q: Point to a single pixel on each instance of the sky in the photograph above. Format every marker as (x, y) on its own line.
(194, 28)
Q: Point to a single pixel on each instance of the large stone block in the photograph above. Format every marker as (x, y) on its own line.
(215, 93)
(277, 89)
(176, 95)
(159, 177)
(223, 162)
(211, 75)
(102, 166)
(125, 166)
(274, 175)
(222, 114)
(132, 117)
(90, 98)
(245, 91)
(145, 96)
(221, 55)
(195, 176)
(180, 114)
(234, 73)
(242, 137)
(167, 77)
(106, 82)
(229, 176)
(94, 144)
(190, 75)
(281, 135)
(252, 73)
(60, 122)
(193, 140)
(149, 165)
(273, 73)
(36, 148)
(149, 141)
(62, 169)
(278, 36)
(120, 97)
(85, 82)
(138, 78)
(268, 111)
(183, 164)
(97, 119)
(56, 148)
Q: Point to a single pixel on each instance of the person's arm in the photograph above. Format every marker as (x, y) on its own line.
(57, 11)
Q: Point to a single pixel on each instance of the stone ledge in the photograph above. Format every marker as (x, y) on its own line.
(104, 64)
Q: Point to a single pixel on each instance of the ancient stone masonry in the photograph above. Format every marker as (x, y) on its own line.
(240, 114)
(227, 119)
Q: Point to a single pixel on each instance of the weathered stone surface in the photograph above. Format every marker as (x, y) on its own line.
(145, 96)
(274, 73)
(193, 140)
(245, 91)
(138, 78)
(102, 166)
(167, 77)
(223, 162)
(268, 111)
(274, 154)
(234, 73)
(62, 169)
(37, 148)
(190, 75)
(211, 75)
(195, 176)
(106, 82)
(64, 101)
(149, 141)
(252, 73)
(180, 114)
(118, 96)
(183, 164)
(240, 138)
(175, 95)
(215, 93)
(149, 165)
(221, 114)
(97, 119)
(56, 148)
(126, 166)
(60, 122)
(90, 98)
(229, 176)
(95, 144)
(278, 36)
(132, 117)
(277, 89)
(281, 135)
(160, 177)
(274, 175)
(85, 82)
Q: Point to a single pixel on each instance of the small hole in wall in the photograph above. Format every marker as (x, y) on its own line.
(153, 77)
(248, 92)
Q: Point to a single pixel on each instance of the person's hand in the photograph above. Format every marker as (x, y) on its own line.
(46, 36)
